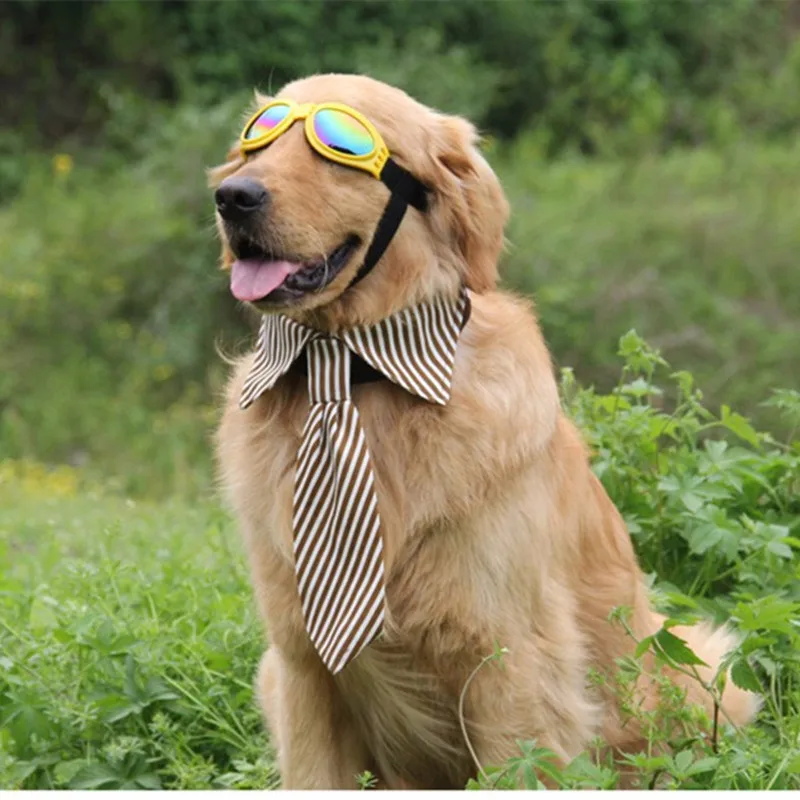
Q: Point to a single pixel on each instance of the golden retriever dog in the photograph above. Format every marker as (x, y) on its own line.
(495, 531)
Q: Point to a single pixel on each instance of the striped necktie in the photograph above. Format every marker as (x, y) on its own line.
(338, 547)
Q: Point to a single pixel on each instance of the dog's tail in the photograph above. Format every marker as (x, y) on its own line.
(712, 645)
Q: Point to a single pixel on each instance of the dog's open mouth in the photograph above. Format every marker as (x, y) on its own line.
(260, 276)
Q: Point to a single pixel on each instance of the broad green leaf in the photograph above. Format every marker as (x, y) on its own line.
(640, 388)
(692, 501)
(703, 765)
(529, 777)
(42, 616)
(650, 763)
(67, 770)
(780, 549)
(669, 483)
(96, 776)
(685, 381)
(767, 613)
(119, 711)
(21, 770)
(744, 677)
(156, 689)
(25, 719)
(767, 664)
(752, 643)
(713, 491)
(704, 537)
(676, 648)
(550, 769)
(643, 646)
(715, 449)
(683, 760)
(740, 426)
(148, 781)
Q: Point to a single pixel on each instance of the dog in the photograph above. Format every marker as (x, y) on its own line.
(495, 532)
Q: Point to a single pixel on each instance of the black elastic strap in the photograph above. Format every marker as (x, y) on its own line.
(360, 370)
(384, 233)
(406, 190)
(401, 181)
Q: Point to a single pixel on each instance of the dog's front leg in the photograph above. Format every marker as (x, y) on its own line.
(317, 744)
(536, 693)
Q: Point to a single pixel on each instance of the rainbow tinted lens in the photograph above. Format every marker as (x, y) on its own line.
(267, 121)
(342, 133)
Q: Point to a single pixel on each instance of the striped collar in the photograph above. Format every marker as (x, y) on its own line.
(414, 348)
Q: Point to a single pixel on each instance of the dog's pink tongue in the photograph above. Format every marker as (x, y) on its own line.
(253, 278)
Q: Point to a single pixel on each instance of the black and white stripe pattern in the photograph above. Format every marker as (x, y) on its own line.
(338, 547)
(280, 341)
(416, 347)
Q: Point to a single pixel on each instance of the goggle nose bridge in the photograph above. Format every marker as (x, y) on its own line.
(304, 110)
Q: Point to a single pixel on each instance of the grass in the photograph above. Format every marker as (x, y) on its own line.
(697, 250)
(128, 641)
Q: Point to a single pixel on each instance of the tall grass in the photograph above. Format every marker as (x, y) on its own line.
(698, 250)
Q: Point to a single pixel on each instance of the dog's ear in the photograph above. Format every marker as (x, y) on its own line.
(468, 201)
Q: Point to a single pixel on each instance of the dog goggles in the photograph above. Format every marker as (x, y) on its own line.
(343, 135)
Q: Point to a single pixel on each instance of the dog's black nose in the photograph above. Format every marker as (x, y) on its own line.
(237, 198)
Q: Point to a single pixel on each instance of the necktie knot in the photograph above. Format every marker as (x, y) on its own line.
(328, 370)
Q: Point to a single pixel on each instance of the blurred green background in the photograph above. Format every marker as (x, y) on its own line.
(649, 150)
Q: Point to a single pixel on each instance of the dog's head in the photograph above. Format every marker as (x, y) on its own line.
(309, 221)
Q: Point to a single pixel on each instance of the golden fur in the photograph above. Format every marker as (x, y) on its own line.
(496, 531)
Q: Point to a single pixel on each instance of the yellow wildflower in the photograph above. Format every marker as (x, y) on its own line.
(63, 164)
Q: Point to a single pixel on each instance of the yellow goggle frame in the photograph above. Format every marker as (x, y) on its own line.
(342, 122)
